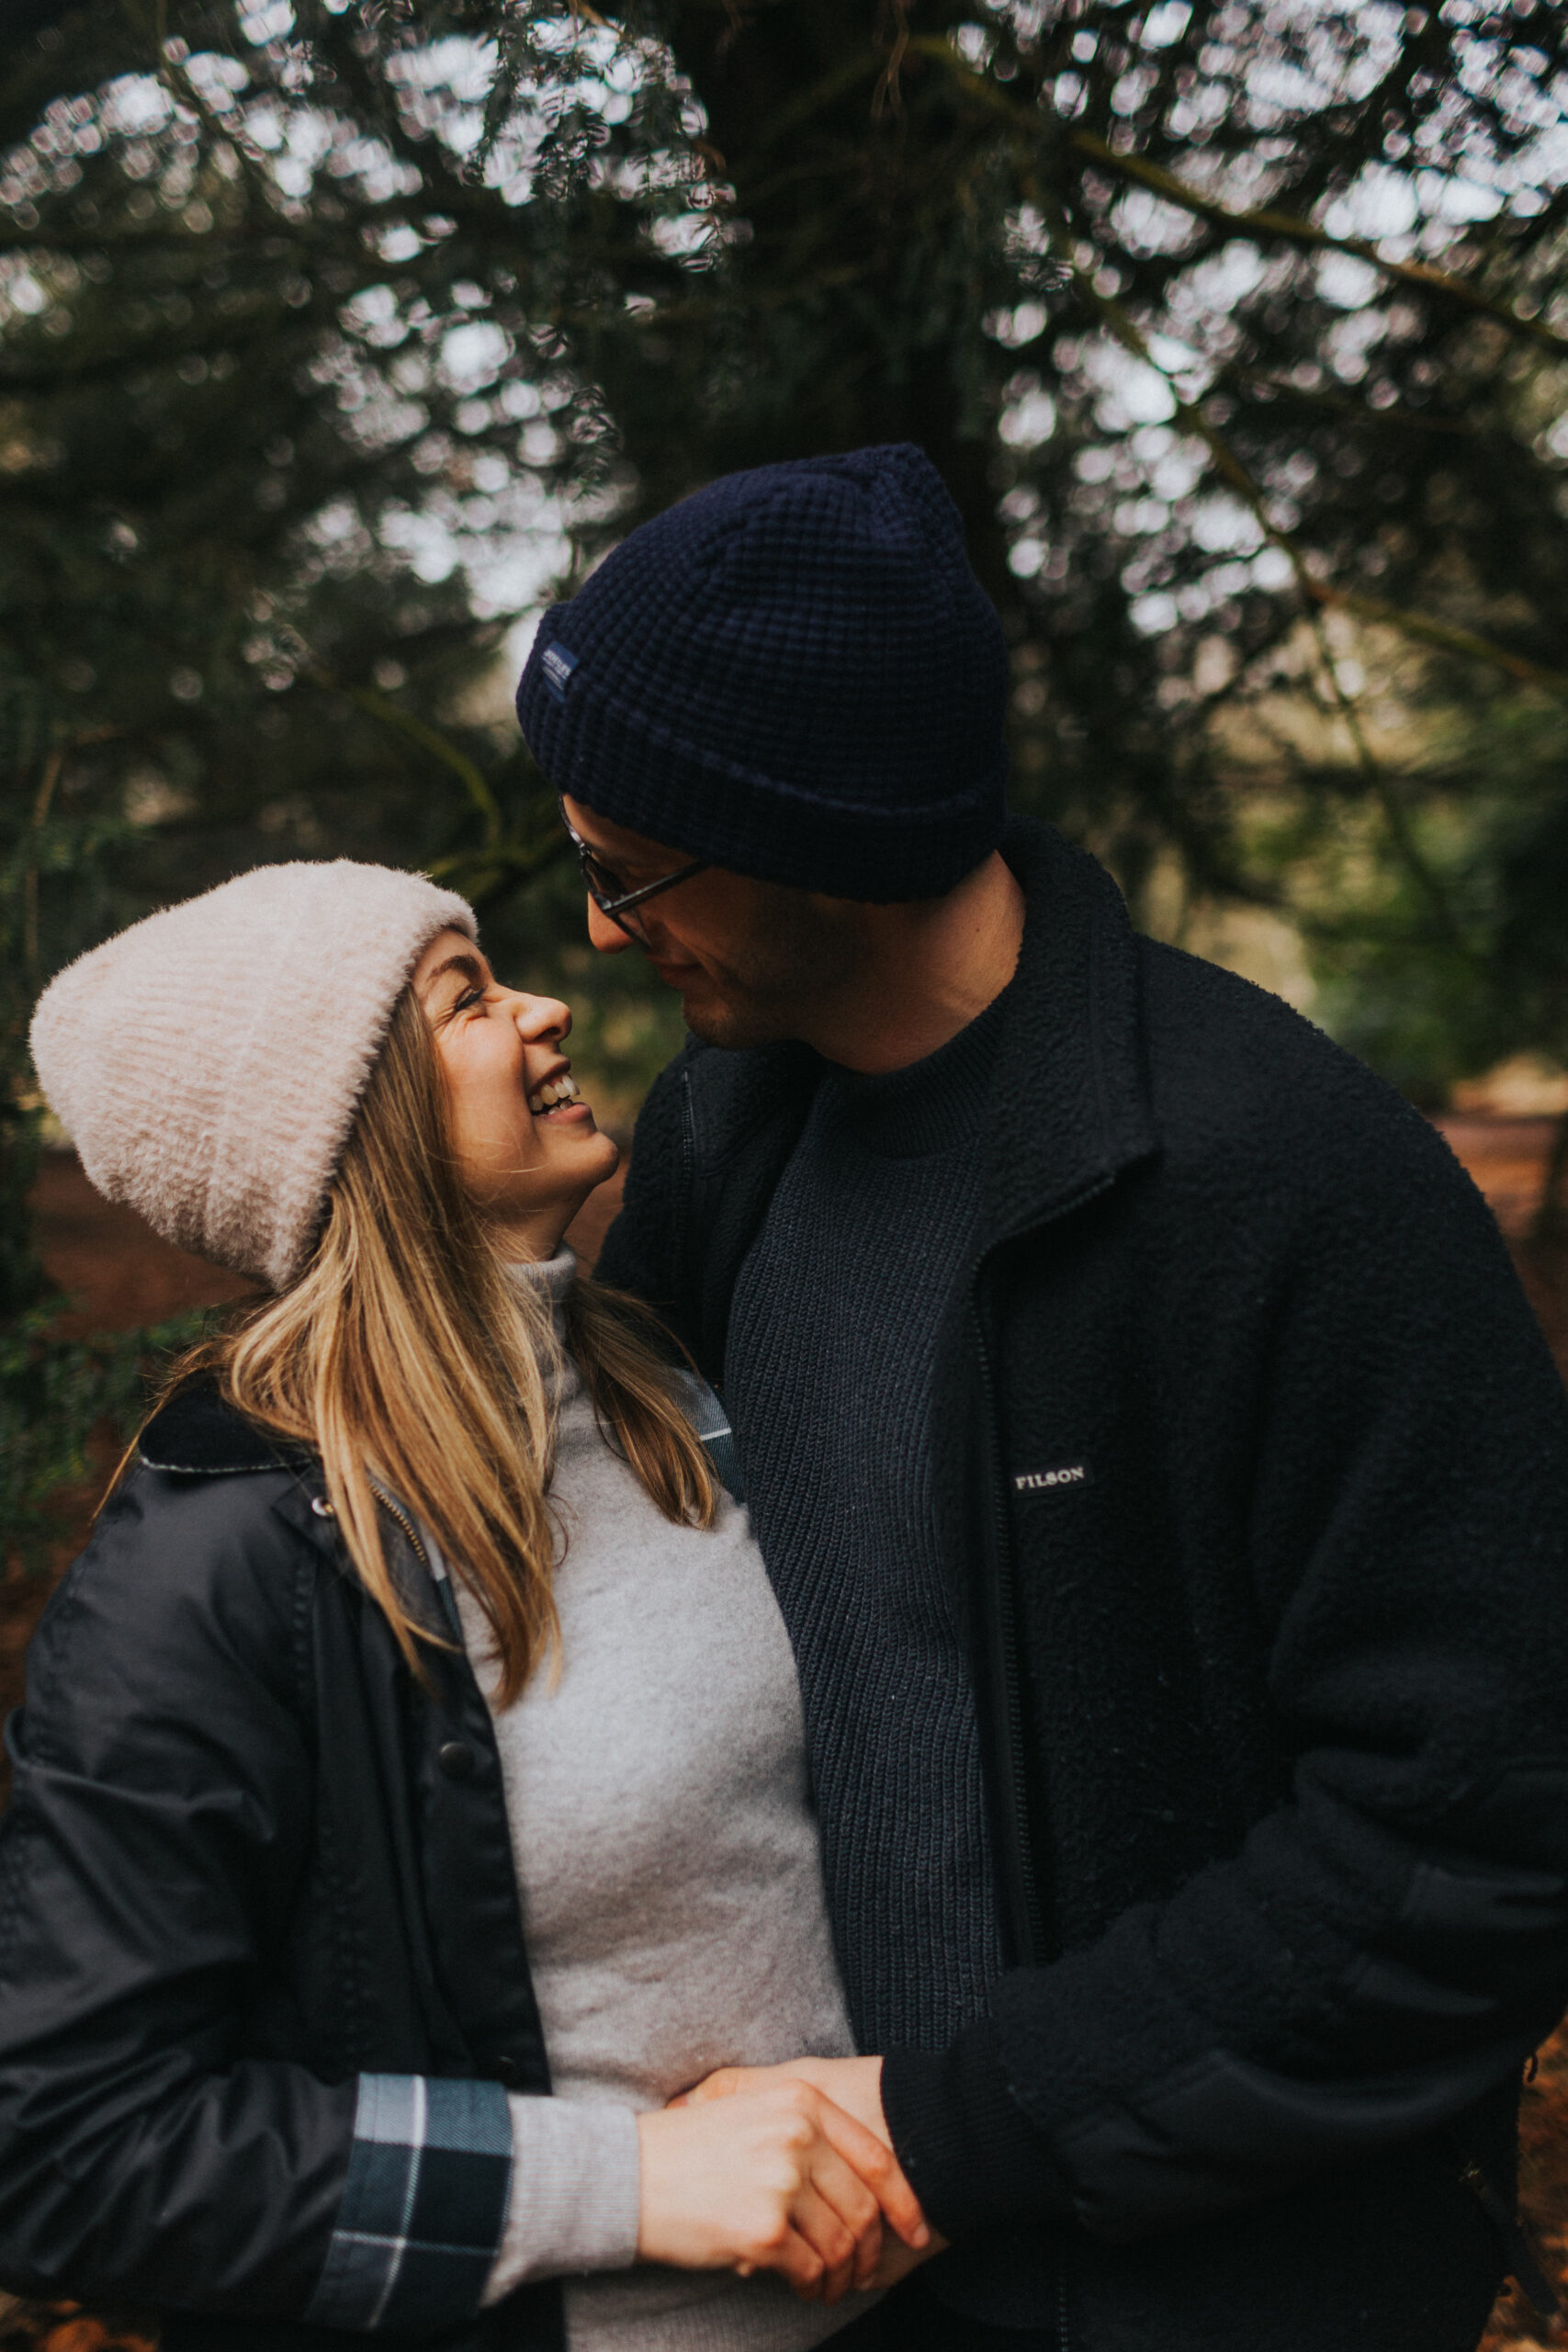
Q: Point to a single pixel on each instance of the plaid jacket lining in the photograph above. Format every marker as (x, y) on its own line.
(712, 1425)
(424, 2206)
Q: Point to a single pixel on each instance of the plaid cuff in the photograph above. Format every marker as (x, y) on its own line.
(423, 2207)
(711, 1422)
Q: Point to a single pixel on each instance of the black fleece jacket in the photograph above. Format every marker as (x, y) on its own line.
(1253, 1483)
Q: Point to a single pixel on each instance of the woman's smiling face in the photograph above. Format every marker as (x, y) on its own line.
(527, 1147)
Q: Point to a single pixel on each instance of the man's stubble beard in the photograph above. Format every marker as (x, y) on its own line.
(734, 1026)
(783, 984)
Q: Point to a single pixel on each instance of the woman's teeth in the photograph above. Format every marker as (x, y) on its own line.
(559, 1089)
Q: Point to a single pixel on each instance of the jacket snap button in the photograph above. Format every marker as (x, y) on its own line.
(321, 1508)
(508, 2072)
(455, 1759)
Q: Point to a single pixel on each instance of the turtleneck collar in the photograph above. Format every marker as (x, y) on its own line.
(929, 1106)
(550, 1278)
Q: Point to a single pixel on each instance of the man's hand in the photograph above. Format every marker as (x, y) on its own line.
(854, 2085)
(772, 2178)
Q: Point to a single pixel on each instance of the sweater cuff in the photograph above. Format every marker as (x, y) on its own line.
(576, 2187)
(969, 2154)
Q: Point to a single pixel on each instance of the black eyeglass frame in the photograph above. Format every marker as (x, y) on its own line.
(616, 907)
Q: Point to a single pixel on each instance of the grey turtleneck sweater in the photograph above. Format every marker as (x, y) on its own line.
(668, 1865)
(829, 1380)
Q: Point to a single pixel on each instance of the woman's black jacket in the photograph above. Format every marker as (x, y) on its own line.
(263, 1986)
(1252, 1470)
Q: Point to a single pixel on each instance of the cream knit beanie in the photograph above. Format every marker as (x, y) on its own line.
(207, 1062)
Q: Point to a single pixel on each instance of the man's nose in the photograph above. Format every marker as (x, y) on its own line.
(607, 936)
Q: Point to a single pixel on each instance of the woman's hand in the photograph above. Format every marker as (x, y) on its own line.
(776, 2179)
(854, 2085)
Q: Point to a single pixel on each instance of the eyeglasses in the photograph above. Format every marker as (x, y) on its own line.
(608, 890)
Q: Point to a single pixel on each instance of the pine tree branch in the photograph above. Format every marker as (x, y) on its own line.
(1428, 630)
(1406, 420)
(1260, 222)
(1421, 626)
(1264, 223)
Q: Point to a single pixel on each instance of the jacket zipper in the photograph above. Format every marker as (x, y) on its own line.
(404, 1523)
(446, 1599)
(1016, 1863)
(1021, 1893)
(1026, 1918)
(445, 1596)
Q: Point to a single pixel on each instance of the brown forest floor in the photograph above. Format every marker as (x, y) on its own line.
(122, 1275)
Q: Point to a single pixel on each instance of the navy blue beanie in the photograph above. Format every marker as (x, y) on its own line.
(792, 674)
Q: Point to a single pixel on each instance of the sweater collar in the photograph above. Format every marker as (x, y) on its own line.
(1068, 1106)
(934, 1105)
(549, 1279)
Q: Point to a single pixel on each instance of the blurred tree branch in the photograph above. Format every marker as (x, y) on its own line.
(1262, 221)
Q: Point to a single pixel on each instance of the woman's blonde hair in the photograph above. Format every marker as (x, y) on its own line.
(405, 1356)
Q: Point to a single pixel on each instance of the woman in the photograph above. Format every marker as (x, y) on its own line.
(410, 1798)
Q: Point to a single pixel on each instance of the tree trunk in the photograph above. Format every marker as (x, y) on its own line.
(850, 187)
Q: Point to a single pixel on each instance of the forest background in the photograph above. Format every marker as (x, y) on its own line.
(335, 339)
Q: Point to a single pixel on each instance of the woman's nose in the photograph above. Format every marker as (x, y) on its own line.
(541, 1017)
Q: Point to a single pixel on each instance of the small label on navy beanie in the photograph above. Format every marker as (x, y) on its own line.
(556, 665)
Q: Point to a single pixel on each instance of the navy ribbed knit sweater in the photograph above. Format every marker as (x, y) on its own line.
(828, 1382)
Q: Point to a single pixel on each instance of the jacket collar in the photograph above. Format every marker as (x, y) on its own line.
(199, 1435)
(1070, 1101)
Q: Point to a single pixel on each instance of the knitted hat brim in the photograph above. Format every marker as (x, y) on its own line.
(646, 777)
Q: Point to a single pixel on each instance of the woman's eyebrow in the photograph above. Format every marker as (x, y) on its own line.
(469, 966)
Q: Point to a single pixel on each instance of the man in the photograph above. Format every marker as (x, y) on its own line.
(1161, 1475)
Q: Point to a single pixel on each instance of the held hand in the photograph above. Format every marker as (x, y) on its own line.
(855, 2085)
(776, 2179)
